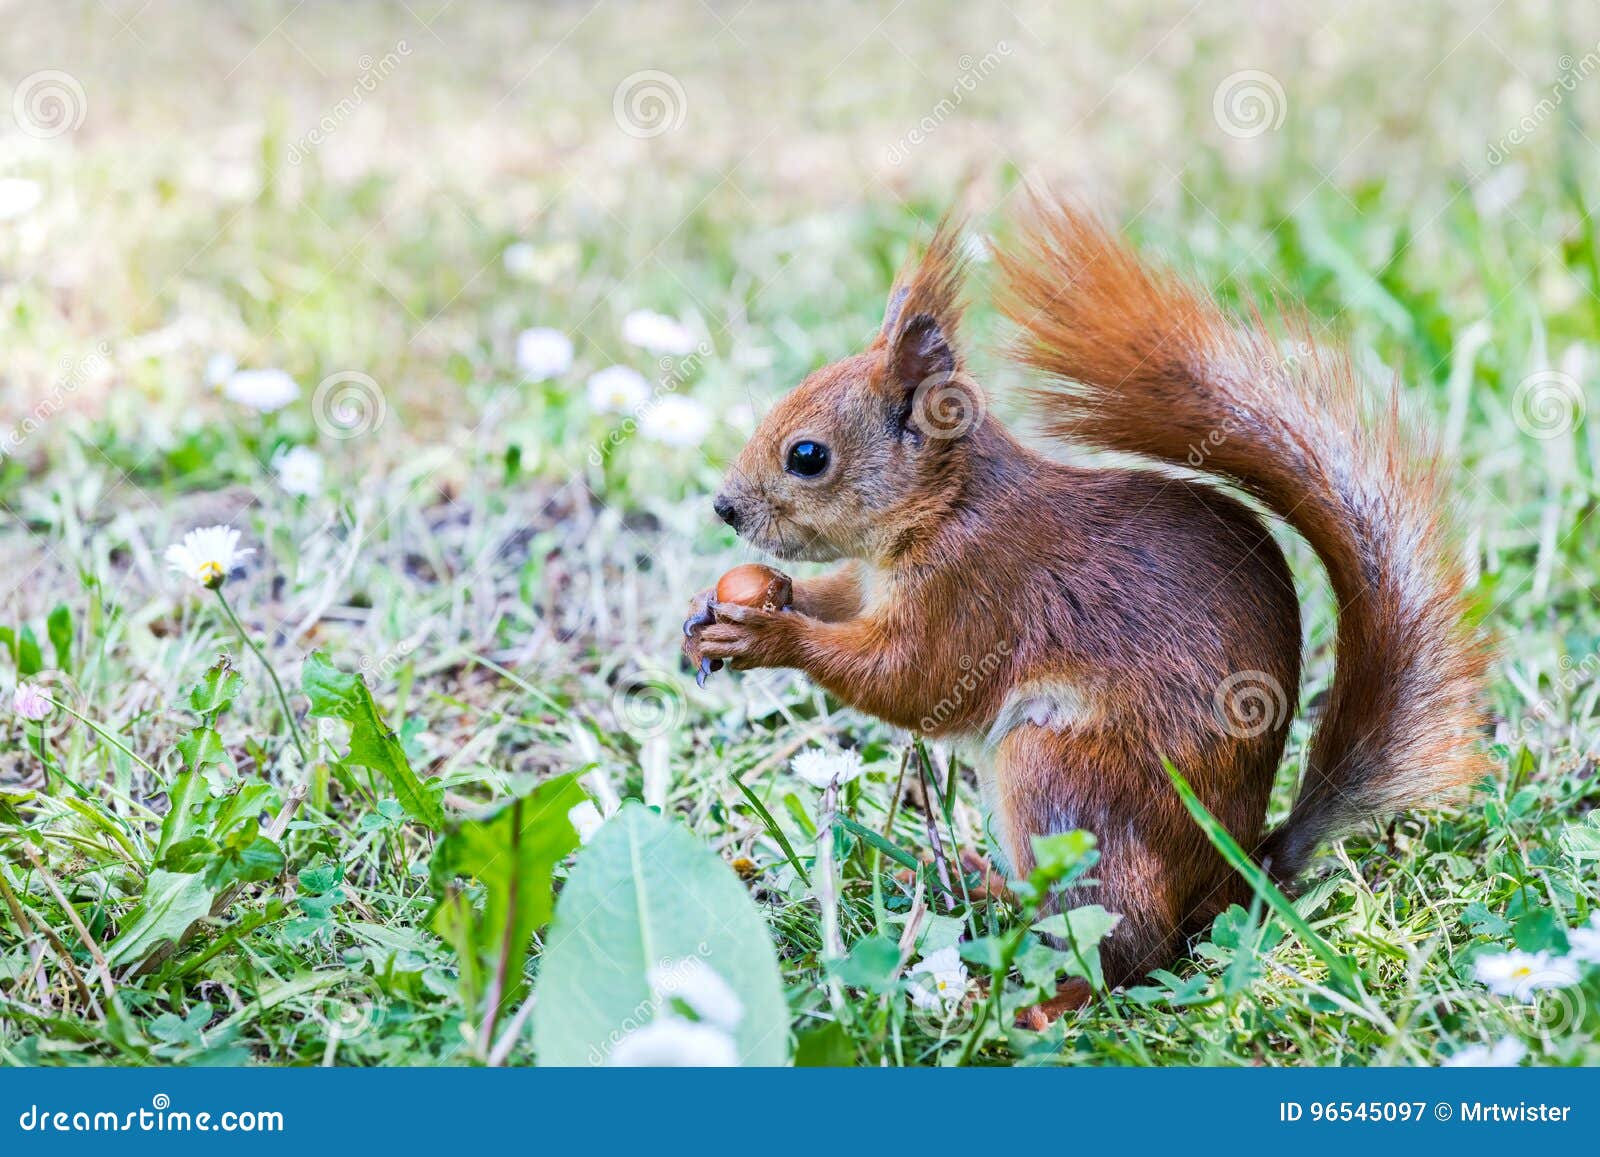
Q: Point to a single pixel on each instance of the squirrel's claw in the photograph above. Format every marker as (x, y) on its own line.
(702, 614)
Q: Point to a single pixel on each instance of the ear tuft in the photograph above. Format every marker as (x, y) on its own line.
(924, 313)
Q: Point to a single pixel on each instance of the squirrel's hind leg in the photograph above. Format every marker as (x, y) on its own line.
(1051, 781)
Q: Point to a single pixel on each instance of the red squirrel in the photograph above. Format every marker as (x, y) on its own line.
(1070, 627)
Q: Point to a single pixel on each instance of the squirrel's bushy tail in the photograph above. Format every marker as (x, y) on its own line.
(1139, 362)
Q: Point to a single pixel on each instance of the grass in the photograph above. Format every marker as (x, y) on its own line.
(506, 569)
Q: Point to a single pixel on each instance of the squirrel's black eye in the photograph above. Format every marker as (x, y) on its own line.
(807, 459)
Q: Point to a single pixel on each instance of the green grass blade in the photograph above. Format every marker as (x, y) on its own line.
(1338, 966)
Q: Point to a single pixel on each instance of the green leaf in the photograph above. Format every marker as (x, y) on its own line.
(59, 627)
(1582, 841)
(986, 952)
(320, 878)
(30, 661)
(242, 857)
(201, 748)
(513, 853)
(1080, 932)
(827, 1047)
(172, 902)
(646, 894)
(337, 695)
(216, 689)
(871, 965)
(184, 797)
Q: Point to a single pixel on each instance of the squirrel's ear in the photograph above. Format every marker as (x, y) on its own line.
(919, 350)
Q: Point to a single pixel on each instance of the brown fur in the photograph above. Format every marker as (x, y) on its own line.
(1075, 625)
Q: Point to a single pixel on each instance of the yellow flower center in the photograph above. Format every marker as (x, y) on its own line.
(211, 574)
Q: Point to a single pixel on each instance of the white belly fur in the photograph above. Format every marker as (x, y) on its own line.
(1052, 705)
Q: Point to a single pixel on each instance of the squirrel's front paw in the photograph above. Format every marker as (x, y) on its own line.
(746, 637)
(700, 617)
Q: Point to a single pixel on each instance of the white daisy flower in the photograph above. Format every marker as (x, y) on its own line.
(264, 390)
(940, 979)
(1584, 943)
(207, 555)
(18, 195)
(673, 1042)
(585, 819)
(675, 421)
(1521, 974)
(819, 767)
(29, 702)
(698, 985)
(1503, 1054)
(543, 353)
(219, 368)
(299, 470)
(617, 390)
(657, 333)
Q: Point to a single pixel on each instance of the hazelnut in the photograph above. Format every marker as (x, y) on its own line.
(754, 585)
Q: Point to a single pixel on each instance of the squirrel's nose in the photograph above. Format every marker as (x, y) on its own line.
(726, 511)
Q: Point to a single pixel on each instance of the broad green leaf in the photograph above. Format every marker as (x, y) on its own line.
(1079, 933)
(59, 627)
(172, 902)
(245, 856)
(513, 853)
(646, 894)
(202, 747)
(30, 660)
(827, 1047)
(184, 798)
(1582, 841)
(337, 695)
(871, 964)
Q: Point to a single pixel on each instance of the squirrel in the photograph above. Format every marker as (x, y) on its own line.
(1067, 628)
